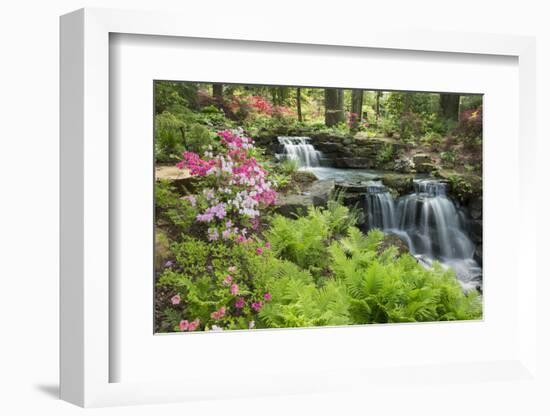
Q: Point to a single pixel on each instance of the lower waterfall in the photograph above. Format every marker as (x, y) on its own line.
(429, 222)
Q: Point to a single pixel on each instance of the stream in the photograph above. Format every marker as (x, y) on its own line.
(433, 226)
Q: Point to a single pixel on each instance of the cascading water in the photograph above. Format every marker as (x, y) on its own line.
(301, 150)
(429, 222)
(380, 207)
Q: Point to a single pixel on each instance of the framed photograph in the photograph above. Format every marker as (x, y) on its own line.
(292, 213)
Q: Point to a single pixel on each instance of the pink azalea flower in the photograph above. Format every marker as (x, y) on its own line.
(234, 289)
(194, 325)
(227, 281)
(267, 245)
(184, 325)
(239, 304)
(176, 299)
(268, 296)
(257, 305)
(259, 250)
(218, 314)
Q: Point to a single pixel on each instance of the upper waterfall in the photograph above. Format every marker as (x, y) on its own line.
(301, 150)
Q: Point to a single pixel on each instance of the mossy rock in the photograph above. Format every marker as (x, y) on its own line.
(425, 168)
(464, 187)
(421, 158)
(303, 177)
(400, 183)
(316, 194)
(392, 240)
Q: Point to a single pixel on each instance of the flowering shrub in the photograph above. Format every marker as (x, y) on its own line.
(260, 104)
(282, 112)
(241, 187)
(218, 285)
(470, 124)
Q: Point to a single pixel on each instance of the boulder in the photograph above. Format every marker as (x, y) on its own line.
(393, 240)
(475, 208)
(304, 177)
(403, 165)
(464, 187)
(297, 204)
(476, 230)
(421, 158)
(425, 167)
(401, 183)
(478, 254)
(179, 178)
(329, 147)
(353, 187)
(354, 163)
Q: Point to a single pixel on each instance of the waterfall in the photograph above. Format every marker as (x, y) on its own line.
(299, 149)
(380, 207)
(429, 222)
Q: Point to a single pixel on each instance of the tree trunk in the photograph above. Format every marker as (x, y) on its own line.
(334, 107)
(356, 108)
(299, 103)
(217, 93)
(378, 94)
(357, 103)
(448, 106)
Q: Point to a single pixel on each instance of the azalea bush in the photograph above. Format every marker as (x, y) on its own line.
(213, 284)
(237, 187)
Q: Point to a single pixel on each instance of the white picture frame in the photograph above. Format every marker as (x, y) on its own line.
(86, 265)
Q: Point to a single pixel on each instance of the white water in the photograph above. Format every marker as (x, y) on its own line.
(430, 223)
(300, 150)
(426, 220)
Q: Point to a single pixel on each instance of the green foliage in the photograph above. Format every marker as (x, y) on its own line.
(299, 303)
(198, 274)
(388, 126)
(386, 154)
(288, 167)
(432, 139)
(165, 196)
(449, 156)
(366, 287)
(305, 240)
(169, 137)
(302, 240)
(198, 138)
(460, 187)
(386, 288)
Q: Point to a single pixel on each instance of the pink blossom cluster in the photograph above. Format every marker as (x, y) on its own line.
(243, 187)
(261, 104)
(257, 305)
(195, 164)
(185, 325)
(220, 313)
